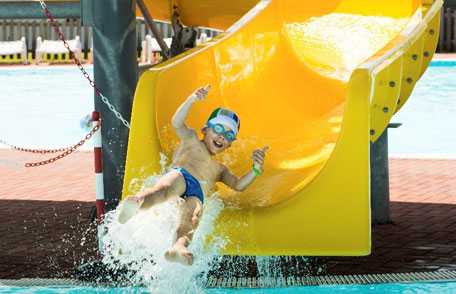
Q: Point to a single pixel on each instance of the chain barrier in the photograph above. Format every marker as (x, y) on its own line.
(67, 151)
(59, 32)
(39, 151)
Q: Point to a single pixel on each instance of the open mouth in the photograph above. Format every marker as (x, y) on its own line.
(217, 144)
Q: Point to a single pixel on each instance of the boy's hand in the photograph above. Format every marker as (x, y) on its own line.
(200, 93)
(258, 157)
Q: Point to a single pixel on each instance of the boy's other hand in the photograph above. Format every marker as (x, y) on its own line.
(259, 155)
(201, 93)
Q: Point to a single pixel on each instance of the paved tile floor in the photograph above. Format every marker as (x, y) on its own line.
(45, 228)
(422, 236)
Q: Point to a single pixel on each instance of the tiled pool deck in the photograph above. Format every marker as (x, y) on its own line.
(44, 214)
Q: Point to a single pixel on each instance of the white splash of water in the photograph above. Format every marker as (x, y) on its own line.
(140, 244)
(268, 266)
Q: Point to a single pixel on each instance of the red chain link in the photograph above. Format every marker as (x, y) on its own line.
(59, 32)
(40, 151)
(67, 151)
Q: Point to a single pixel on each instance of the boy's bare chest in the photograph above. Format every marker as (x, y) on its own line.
(195, 157)
(193, 151)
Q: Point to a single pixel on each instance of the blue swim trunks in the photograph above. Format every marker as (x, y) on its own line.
(193, 186)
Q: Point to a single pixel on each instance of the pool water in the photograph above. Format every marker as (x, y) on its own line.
(428, 117)
(403, 288)
(42, 107)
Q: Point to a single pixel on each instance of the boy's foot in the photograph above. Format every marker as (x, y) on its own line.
(179, 253)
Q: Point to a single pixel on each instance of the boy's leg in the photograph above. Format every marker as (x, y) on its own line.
(190, 216)
(172, 184)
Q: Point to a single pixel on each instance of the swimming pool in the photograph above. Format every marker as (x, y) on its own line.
(40, 107)
(408, 288)
(52, 100)
(428, 117)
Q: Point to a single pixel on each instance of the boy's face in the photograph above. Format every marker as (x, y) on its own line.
(215, 143)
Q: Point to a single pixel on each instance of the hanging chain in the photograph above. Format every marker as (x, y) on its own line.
(67, 151)
(59, 32)
(39, 151)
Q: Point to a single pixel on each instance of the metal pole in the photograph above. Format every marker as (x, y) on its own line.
(150, 23)
(98, 164)
(449, 4)
(115, 71)
(380, 199)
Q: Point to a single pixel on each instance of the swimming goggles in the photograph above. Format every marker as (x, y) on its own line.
(219, 129)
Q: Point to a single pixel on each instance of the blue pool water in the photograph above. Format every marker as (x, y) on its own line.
(42, 106)
(429, 116)
(405, 288)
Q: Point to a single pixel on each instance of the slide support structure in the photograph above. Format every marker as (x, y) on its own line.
(115, 72)
(380, 200)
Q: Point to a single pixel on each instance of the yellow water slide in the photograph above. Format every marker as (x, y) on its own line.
(317, 81)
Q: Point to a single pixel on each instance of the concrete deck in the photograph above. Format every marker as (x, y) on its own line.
(45, 229)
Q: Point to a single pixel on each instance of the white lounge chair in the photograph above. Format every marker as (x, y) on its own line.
(10, 49)
(44, 47)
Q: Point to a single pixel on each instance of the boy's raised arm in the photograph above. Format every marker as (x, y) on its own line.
(179, 117)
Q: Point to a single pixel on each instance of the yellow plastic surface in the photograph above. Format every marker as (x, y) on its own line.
(310, 80)
(423, 44)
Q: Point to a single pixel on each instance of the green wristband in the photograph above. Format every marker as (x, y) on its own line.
(256, 171)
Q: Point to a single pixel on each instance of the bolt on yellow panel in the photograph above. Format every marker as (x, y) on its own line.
(411, 68)
(431, 38)
(387, 86)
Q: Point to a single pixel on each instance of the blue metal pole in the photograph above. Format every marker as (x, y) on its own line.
(115, 72)
(380, 194)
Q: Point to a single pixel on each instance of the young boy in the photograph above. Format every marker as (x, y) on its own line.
(195, 172)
